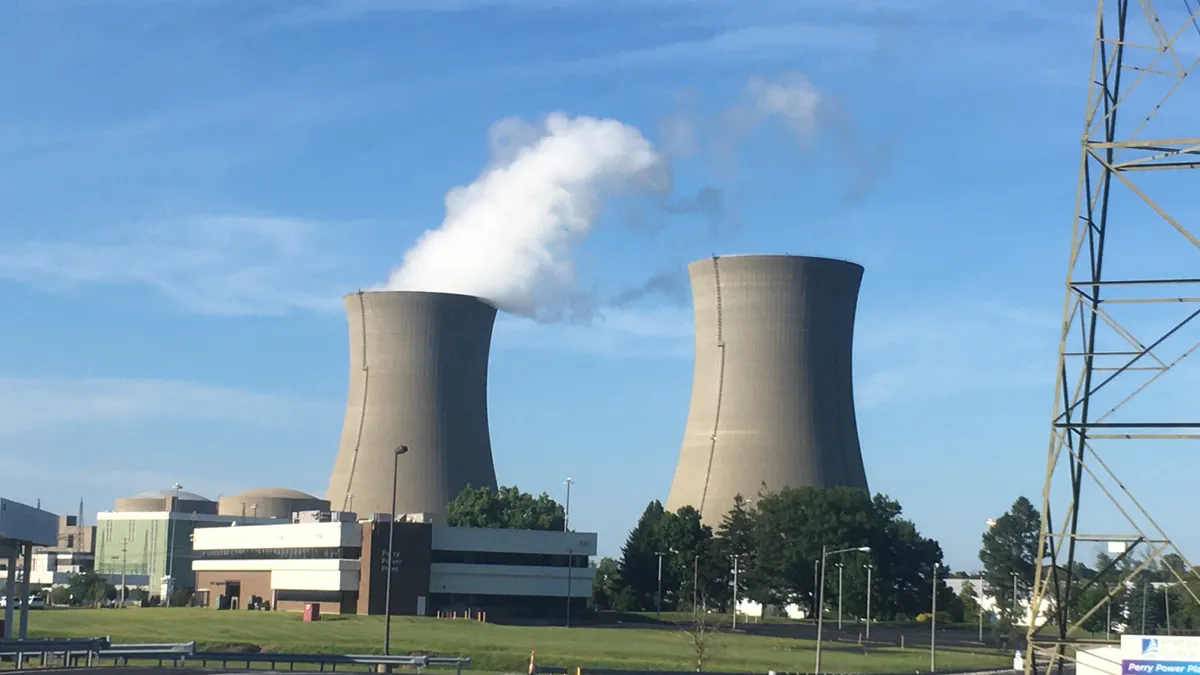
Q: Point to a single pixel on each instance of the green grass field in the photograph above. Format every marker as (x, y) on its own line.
(492, 648)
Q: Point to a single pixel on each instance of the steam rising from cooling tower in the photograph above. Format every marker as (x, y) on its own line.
(508, 236)
(772, 397)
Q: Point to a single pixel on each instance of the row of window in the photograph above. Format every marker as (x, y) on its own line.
(314, 553)
(505, 558)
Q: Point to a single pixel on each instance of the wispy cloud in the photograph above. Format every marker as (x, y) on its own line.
(223, 265)
(951, 346)
(664, 332)
(32, 403)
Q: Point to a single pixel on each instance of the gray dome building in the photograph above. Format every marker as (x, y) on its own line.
(171, 501)
(269, 503)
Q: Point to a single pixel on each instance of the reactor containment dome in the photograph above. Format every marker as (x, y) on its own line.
(418, 378)
(772, 396)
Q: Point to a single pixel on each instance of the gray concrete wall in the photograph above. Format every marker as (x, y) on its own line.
(418, 377)
(772, 394)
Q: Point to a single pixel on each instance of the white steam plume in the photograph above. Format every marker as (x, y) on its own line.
(508, 236)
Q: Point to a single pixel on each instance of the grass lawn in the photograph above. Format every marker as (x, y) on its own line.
(492, 648)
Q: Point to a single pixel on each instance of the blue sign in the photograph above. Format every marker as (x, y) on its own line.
(1152, 667)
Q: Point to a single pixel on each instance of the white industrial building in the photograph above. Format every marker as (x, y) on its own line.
(339, 563)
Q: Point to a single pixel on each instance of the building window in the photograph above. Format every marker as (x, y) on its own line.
(340, 553)
(308, 596)
(506, 558)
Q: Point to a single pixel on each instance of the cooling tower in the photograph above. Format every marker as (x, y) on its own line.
(772, 398)
(418, 378)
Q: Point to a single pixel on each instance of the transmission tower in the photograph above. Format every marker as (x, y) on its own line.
(1129, 314)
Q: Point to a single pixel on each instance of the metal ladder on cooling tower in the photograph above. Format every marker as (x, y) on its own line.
(362, 417)
(712, 448)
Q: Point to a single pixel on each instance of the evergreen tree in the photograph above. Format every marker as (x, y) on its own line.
(639, 559)
(1010, 552)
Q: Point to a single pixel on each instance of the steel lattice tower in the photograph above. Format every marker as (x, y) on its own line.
(1128, 318)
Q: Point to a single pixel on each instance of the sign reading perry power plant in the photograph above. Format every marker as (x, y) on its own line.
(1141, 655)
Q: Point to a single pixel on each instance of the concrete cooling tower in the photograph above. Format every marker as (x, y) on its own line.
(772, 398)
(418, 378)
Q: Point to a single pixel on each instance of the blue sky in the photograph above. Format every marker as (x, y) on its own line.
(187, 188)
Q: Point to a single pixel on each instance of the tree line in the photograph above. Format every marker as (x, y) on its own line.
(1148, 604)
(776, 540)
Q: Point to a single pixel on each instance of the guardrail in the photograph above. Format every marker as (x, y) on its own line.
(72, 650)
(417, 661)
(175, 652)
(178, 654)
(560, 670)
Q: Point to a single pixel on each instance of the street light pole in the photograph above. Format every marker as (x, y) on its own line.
(171, 545)
(658, 598)
(825, 552)
(735, 590)
(387, 600)
(816, 573)
(840, 566)
(1015, 608)
(933, 623)
(869, 568)
(124, 563)
(567, 510)
(979, 600)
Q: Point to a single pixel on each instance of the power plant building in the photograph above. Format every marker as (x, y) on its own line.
(269, 503)
(772, 393)
(148, 538)
(418, 379)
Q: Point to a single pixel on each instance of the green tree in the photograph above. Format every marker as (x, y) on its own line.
(1010, 552)
(968, 600)
(690, 564)
(89, 588)
(607, 590)
(735, 538)
(639, 559)
(507, 508)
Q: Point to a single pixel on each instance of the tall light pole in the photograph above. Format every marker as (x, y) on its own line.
(869, 567)
(816, 586)
(840, 566)
(171, 545)
(567, 510)
(387, 600)
(658, 598)
(825, 552)
(570, 565)
(933, 622)
(1015, 608)
(735, 590)
(979, 600)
